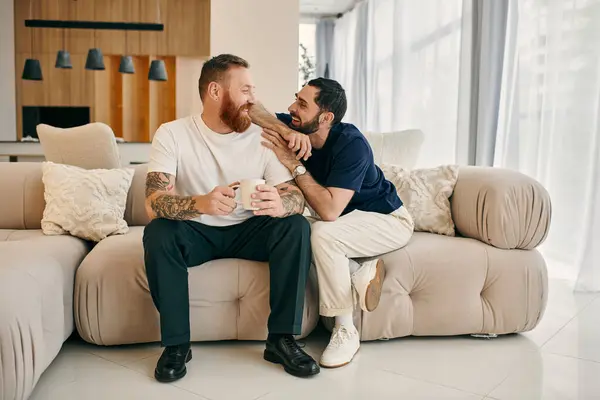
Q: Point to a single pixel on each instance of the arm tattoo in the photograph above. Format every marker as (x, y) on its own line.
(292, 199)
(168, 205)
(157, 182)
(174, 207)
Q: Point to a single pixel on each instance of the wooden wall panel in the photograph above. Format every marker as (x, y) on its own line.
(81, 82)
(115, 99)
(187, 26)
(131, 103)
(163, 101)
(79, 41)
(155, 42)
(110, 41)
(136, 101)
(133, 12)
(108, 96)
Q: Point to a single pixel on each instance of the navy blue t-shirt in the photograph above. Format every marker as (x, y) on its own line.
(346, 161)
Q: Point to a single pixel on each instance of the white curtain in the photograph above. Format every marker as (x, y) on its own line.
(549, 124)
(407, 65)
(324, 43)
(482, 54)
(349, 61)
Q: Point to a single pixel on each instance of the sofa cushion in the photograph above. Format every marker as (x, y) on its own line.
(229, 299)
(441, 286)
(89, 146)
(36, 305)
(399, 148)
(426, 195)
(24, 207)
(135, 212)
(20, 234)
(89, 204)
(501, 207)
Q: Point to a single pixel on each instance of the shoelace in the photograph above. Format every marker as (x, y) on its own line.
(296, 351)
(340, 335)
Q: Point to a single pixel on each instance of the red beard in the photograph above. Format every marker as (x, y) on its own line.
(235, 117)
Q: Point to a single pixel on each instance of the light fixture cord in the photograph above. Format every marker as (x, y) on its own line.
(63, 31)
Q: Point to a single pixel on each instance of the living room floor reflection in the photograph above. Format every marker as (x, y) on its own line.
(560, 359)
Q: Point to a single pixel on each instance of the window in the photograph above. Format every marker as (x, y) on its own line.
(306, 53)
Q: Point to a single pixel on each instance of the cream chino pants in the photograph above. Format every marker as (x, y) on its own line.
(358, 234)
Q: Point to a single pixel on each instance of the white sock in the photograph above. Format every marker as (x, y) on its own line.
(345, 320)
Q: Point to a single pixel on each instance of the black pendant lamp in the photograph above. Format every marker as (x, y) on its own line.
(63, 60)
(157, 71)
(126, 65)
(63, 57)
(32, 70)
(95, 59)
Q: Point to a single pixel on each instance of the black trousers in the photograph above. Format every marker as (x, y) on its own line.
(171, 247)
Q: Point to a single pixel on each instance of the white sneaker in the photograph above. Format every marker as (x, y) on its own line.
(367, 282)
(342, 347)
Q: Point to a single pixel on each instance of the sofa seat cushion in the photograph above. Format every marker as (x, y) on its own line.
(441, 286)
(229, 299)
(36, 307)
(19, 234)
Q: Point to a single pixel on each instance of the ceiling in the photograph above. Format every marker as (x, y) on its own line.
(325, 7)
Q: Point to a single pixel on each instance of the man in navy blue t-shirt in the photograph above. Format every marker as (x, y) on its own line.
(356, 211)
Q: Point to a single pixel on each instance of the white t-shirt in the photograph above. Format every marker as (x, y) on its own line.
(202, 159)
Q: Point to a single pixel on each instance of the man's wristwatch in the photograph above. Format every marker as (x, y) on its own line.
(299, 170)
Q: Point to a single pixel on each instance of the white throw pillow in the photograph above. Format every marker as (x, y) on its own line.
(425, 194)
(89, 204)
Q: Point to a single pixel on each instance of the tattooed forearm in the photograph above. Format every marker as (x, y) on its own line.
(174, 207)
(158, 181)
(292, 199)
(163, 202)
(263, 118)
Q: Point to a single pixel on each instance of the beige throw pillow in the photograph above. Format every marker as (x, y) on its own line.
(89, 204)
(425, 194)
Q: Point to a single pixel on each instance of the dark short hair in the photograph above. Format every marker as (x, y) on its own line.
(331, 97)
(214, 70)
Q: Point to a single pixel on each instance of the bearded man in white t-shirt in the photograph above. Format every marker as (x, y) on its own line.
(194, 168)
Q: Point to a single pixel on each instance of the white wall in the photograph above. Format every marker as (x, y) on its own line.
(265, 33)
(186, 86)
(8, 117)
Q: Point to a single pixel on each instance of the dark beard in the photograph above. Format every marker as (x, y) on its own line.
(233, 116)
(308, 128)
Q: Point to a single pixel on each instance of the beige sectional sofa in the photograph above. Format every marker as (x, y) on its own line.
(489, 279)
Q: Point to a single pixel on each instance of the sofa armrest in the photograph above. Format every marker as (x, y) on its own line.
(501, 207)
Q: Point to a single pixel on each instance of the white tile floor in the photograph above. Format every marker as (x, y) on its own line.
(560, 359)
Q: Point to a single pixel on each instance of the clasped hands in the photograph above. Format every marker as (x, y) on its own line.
(298, 147)
(221, 201)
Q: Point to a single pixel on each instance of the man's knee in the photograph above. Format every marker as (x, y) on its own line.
(160, 231)
(296, 223)
(322, 232)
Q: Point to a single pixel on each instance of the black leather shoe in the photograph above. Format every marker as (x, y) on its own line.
(284, 350)
(171, 364)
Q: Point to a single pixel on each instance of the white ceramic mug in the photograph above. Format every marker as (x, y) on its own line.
(247, 188)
